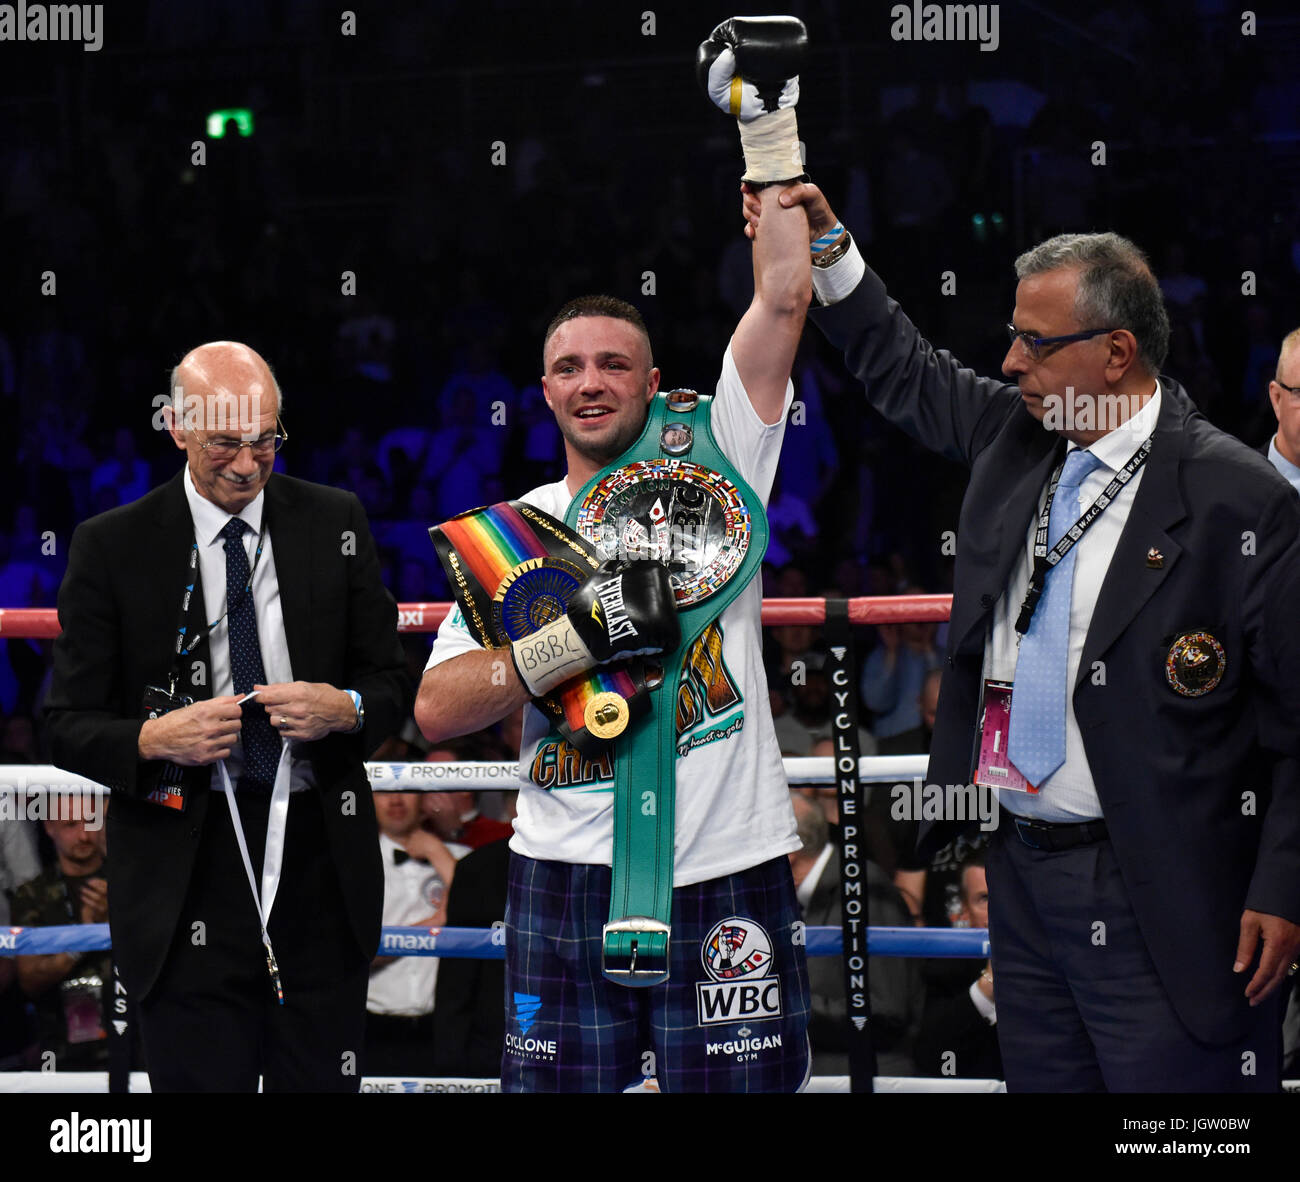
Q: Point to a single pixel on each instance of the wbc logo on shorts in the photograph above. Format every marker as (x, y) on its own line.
(737, 955)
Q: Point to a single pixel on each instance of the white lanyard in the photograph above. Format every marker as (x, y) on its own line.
(272, 857)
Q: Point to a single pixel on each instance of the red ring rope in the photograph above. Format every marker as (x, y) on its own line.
(42, 623)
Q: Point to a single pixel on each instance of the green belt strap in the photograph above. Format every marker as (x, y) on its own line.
(645, 755)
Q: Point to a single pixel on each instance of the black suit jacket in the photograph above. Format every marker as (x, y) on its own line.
(468, 1017)
(1201, 795)
(118, 607)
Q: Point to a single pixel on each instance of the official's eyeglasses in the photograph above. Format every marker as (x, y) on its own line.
(222, 448)
(1034, 345)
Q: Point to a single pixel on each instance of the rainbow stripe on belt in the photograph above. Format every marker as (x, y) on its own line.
(494, 544)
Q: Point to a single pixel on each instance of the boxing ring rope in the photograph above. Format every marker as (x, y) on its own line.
(42, 623)
(468, 775)
(488, 944)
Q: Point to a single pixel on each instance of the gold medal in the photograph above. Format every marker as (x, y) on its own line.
(606, 715)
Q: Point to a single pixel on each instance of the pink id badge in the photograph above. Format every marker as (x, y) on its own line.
(995, 769)
(81, 1011)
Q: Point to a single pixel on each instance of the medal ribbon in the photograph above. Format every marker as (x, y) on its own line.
(493, 542)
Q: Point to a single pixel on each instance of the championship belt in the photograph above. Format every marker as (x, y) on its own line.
(514, 569)
(675, 498)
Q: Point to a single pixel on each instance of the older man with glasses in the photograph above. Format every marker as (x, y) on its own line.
(1284, 393)
(1123, 667)
(228, 658)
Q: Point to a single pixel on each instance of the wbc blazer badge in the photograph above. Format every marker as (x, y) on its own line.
(1195, 664)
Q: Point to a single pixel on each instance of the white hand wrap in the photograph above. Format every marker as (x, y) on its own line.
(550, 656)
(771, 147)
(769, 139)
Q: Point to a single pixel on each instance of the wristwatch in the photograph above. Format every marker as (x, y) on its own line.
(361, 711)
(832, 254)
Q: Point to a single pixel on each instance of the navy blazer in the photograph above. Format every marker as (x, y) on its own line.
(1201, 795)
(118, 608)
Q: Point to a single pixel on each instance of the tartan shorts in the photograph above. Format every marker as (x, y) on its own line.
(732, 1017)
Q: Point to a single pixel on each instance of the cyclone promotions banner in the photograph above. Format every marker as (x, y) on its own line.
(854, 918)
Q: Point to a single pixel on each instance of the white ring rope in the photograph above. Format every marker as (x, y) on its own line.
(470, 775)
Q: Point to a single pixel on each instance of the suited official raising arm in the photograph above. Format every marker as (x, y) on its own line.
(229, 656)
(1122, 637)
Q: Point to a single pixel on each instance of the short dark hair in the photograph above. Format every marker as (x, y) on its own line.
(597, 305)
(1117, 288)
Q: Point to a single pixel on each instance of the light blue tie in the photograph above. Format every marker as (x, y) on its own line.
(1036, 744)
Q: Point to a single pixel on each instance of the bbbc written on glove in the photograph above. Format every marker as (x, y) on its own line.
(625, 609)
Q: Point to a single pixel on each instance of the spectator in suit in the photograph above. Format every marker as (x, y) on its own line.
(958, 1035)
(418, 871)
(894, 982)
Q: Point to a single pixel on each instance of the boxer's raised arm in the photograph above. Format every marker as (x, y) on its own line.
(749, 68)
(768, 334)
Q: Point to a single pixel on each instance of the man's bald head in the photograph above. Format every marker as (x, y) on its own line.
(226, 368)
(223, 393)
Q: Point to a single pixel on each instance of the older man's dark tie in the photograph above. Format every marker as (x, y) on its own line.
(261, 740)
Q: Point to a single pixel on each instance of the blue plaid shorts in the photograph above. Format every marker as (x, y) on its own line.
(732, 1017)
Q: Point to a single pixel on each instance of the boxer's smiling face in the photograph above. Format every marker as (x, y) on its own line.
(598, 382)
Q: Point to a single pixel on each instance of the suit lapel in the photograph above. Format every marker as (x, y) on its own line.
(1010, 515)
(166, 550)
(288, 523)
(1157, 505)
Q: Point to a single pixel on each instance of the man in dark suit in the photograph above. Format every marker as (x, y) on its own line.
(1145, 899)
(958, 1035)
(230, 579)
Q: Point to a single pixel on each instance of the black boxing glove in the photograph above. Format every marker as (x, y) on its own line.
(625, 609)
(767, 52)
(749, 66)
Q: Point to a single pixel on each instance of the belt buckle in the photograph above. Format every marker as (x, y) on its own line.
(636, 960)
(1024, 828)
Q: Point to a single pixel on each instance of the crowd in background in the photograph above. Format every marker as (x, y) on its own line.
(416, 385)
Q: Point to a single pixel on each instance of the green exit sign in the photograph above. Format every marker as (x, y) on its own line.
(217, 121)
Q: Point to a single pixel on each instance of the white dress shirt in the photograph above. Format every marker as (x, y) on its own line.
(1069, 794)
(412, 891)
(209, 520)
(983, 1006)
(808, 887)
(1283, 465)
